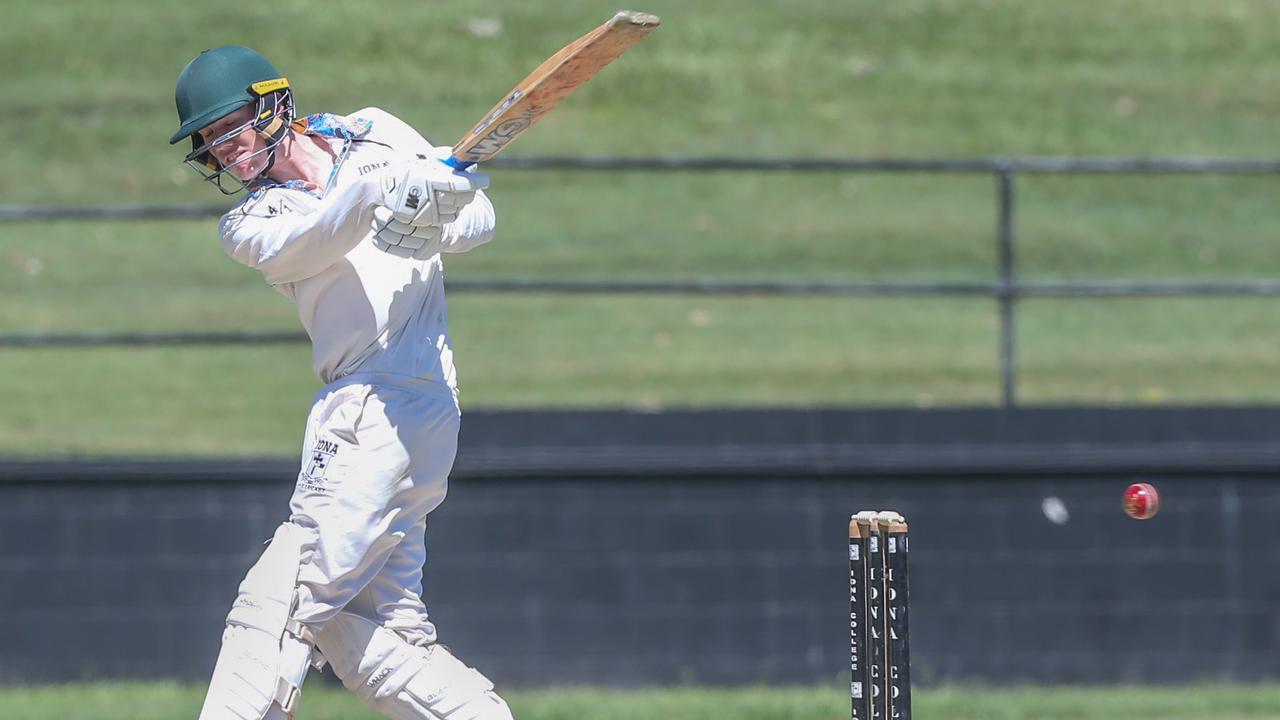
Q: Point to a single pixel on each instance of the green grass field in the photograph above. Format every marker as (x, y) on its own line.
(806, 78)
(166, 701)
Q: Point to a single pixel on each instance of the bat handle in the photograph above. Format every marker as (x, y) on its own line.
(453, 162)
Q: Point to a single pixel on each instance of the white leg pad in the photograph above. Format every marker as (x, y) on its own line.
(403, 681)
(265, 653)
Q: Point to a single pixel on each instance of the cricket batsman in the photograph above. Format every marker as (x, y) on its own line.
(348, 216)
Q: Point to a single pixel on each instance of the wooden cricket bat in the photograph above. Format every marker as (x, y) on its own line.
(549, 83)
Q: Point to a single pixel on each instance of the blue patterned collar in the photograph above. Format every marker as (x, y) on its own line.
(334, 126)
(326, 125)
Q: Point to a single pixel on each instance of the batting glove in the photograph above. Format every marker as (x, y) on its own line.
(402, 239)
(427, 193)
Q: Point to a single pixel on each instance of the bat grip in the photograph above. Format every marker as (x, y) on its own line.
(453, 162)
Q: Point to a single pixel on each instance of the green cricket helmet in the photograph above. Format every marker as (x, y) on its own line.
(217, 83)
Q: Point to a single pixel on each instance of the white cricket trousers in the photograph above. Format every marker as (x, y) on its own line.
(375, 461)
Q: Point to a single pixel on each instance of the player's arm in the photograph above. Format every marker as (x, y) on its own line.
(474, 226)
(290, 242)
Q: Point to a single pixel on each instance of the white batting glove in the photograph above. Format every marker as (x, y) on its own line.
(404, 240)
(426, 192)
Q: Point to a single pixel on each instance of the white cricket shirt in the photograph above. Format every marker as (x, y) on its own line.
(365, 310)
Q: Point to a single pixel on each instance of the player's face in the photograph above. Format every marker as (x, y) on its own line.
(238, 147)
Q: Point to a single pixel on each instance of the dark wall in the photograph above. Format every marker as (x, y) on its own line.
(640, 549)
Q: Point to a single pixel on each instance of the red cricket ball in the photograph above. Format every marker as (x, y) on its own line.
(1141, 501)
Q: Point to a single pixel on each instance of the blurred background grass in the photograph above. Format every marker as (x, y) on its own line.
(161, 701)
(803, 78)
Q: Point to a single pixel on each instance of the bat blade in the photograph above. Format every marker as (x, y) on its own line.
(549, 83)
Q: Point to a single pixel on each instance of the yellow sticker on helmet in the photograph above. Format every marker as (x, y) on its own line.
(266, 86)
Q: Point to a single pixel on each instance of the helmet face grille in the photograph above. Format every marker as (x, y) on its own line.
(273, 116)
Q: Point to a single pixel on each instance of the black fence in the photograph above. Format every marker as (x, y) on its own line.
(634, 549)
(1005, 288)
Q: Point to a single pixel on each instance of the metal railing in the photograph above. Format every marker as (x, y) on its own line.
(1006, 289)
